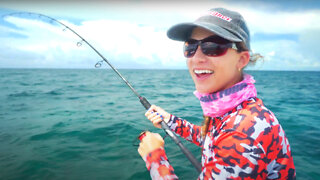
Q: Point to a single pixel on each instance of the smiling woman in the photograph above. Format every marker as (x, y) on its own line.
(240, 137)
(286, 33)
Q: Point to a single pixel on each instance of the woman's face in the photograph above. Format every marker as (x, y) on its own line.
(222, 71)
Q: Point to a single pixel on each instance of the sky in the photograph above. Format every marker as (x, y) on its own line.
(132, 34)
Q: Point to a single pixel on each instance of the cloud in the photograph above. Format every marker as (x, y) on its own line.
(49, 45)
(121, 37)
(285, 55)
(139, 44)
(272, 53)
(282, 22)
(130, 38)
(288, 40)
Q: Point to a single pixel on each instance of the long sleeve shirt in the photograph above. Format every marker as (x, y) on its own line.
(246, 143)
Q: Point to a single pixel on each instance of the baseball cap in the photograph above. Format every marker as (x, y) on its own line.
(227, 24)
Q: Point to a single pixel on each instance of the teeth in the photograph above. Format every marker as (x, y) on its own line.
(202, 71)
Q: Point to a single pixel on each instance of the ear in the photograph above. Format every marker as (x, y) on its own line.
(244, 58)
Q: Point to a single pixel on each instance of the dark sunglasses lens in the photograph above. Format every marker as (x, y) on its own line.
(190, 48)
(213, 49)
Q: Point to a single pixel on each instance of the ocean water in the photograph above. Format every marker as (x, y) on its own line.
(82, 124)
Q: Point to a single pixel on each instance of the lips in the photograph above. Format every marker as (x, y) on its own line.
(202, 74)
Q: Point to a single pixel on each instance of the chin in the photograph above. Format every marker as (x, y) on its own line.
(204, 89)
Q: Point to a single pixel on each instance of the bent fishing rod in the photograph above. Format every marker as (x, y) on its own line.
(142, 99)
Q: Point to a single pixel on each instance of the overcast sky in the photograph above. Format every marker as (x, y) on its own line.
(132, 34)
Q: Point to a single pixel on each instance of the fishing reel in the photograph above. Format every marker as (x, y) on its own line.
(140, 137)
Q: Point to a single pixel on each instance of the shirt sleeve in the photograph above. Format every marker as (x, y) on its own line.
(186, 130)
(234, 155)
(158, 165)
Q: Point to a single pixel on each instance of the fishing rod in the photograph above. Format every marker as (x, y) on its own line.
(142, 99)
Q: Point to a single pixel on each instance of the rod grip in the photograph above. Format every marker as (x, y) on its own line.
(145, 102)
(165, 127)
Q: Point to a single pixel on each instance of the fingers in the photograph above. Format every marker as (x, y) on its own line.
(159, 137)
(148, 133)
(156, 114)
(151, 137)
(141, 151)
(153, 108)
(149, 143)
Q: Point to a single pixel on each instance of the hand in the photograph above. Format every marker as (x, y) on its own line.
(149, 143)
(156, 114)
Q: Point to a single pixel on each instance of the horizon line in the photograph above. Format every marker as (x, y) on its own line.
(108, 68)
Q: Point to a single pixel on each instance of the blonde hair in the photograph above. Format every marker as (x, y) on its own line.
(254, 57)
(205, 125)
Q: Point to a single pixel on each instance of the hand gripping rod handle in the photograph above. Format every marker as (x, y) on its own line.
(165, 127)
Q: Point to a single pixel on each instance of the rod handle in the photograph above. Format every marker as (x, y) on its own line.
(165, 127)
(145, 102)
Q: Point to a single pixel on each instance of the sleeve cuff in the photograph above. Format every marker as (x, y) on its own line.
(171, 120)
(155, 157)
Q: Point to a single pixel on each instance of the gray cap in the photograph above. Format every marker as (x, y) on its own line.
(227, 24)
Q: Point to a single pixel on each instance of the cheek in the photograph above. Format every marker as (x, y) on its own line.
(188, 62)
(233, 60)
(229, 64)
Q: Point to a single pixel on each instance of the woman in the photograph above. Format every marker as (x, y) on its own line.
(240, 137)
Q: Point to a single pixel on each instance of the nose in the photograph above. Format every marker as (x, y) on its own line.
(199, 57)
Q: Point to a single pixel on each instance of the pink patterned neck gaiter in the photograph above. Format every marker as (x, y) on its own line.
(218, 103)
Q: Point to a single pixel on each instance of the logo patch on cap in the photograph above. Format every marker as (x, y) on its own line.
(219, 15)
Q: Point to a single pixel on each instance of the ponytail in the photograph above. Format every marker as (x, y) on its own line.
(254, 57)
(205, 125)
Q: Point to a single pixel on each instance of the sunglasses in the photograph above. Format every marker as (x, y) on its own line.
(211, 46)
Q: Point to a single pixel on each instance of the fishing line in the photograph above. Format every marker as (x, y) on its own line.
(142, 99)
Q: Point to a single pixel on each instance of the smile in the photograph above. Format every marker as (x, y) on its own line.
(203, 73)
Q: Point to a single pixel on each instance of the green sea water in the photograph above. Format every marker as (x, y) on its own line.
(81, 124)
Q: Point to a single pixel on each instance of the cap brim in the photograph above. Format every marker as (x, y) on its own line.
(182, 32)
